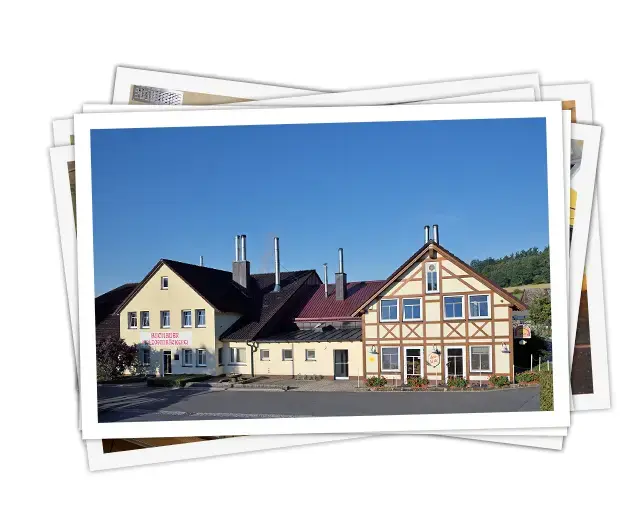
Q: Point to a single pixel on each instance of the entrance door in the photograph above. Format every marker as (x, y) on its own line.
(166, 360)
(341, 364)
(413, 363)
(455, 362)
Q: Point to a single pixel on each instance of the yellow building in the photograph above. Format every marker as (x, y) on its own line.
(434, 318)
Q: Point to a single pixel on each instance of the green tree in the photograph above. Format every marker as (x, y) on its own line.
(540, 314)
(114, 357)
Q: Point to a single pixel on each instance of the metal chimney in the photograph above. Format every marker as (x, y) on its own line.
(201, 260)
(237, 248)
(243, 247)
(427, 234)
(326, 281)
(436, 235)
(341, 278)
(340, 261)
(276, 254)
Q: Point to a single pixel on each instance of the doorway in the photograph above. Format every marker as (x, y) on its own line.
(413, 364)
(455, 362)
(166, 362)
(340, 364)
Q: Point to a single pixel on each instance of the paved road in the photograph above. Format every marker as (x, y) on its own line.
(201, 403)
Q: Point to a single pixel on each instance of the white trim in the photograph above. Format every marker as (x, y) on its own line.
(204, 314)
(289, 349)
(142, 327)
(306, 354)
(190, 318)
(420, 303)
(464, 362)
(168, 312)
(129, 316)
(426, 278)
(141, 351)
(382, 370)
(444, 307)
(268, 357)
(486, 372)
(184, 358)
(397, 310)
(162, 281)
(199, 351)
(488, 296)
(406, 377)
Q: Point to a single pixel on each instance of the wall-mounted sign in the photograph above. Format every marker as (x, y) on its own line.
(166, 338)
(522, 331)
(433, 359)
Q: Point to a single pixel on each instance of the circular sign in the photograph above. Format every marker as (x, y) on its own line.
(433, 359)
(432, 267)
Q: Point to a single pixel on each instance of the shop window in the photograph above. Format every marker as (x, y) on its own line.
(390, 359)
(480, 358)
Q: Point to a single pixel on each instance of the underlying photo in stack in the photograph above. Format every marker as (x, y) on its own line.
(252, 267)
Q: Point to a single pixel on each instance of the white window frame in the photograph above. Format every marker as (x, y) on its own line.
(234, 351)
(288, 350)
(184, 356)
(437, 273)
(306, 354)
(144, 349)
(148, 319)
(397, 310)
(444, 308)
(471, 369)
(168, 312)
(397, 349)
(204, 316)
(464, 361)
(164, 282)
(262, 354)
(488, 296)
(182, 315)
(200, 351)
(419, 299)
(132, 315)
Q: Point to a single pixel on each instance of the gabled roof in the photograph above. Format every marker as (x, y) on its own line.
(107, 303)
(268, 309)
(461, 264)
(215, 286)
(315, 335)
(321, 308)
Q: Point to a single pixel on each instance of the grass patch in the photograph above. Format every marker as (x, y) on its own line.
(174, 381)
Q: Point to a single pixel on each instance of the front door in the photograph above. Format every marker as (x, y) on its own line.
(166, 360)
(455, 362)
(341, 364)
(412, 363)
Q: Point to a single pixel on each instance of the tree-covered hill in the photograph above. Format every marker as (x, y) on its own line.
(522, 268)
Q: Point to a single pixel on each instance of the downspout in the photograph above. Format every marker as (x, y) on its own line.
(253, 348)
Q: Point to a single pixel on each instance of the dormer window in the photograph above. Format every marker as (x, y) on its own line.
(164, 283)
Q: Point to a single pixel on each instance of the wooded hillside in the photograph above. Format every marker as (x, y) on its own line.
(522, 268)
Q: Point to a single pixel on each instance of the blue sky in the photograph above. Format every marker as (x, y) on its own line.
(179, 193)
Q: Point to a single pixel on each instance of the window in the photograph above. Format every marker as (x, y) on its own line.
(145, 356)
(480, 358)
(390, 359)
(389, 310)
(186, 318)
(133, 319)
(238, 355)
(432, 277)
(187, 357)
(220, 356)
(164, 283)
(144, 319)
(309, 355)
(478, 306)
(287, 354)
(453, 307)
(412, 309)
(200, 319)
(165, 319)
(201, 357)
(264, 355)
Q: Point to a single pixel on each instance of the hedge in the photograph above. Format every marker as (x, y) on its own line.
(171, 381)
(546, 391)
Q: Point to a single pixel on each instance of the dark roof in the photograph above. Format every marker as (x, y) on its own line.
(320, 307)
(420, 252)
(268, 309)
(315, 335)
(108, 327)
(108, 303)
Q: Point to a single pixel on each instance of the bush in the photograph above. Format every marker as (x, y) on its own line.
(499, 381)
(114, 357)
(546, 391)
(171, 381)
(417, 382)
(456, 382)
(376, 382)
(528, 377)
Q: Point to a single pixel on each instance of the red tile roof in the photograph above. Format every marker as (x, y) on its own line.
(319, 307)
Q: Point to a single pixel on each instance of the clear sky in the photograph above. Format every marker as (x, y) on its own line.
(179, 193)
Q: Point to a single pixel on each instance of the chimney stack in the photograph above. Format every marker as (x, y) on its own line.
(436, 235)
(201, 260)
(276, 254)
(326, 281)
(427, 234)
(241, 267)
(341, 278)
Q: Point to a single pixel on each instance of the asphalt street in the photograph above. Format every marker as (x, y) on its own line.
(138, 403)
